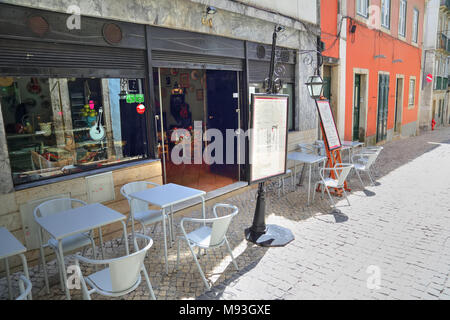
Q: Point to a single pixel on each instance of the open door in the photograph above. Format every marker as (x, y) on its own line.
(223, 114)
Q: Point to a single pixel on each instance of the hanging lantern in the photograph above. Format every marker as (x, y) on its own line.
(315, 86)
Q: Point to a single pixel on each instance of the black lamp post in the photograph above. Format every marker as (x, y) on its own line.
(260, 233)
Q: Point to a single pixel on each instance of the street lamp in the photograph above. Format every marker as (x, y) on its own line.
(315, 86)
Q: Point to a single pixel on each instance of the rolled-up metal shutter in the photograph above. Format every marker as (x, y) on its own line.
(259, 70)
(169, 59)
(31, 58)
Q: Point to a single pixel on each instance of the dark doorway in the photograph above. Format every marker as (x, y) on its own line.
(383, 95)
(223, 103)
(398, 105)
(356, 107)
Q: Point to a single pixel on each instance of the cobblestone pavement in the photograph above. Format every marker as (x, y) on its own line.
(393, 242)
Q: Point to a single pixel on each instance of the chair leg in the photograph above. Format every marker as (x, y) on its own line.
(329, 195)
(198, 266)
(45, 269)
(178, 253)
(314, 191)
(345, 194)
(59, 262)
(231, 254)
(84, 289)
(370, 177)
(359, 177)
(149, 285)
(154, 228)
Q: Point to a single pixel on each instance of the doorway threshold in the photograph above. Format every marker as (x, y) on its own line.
(210, 195)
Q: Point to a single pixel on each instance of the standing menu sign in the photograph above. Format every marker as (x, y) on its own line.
(268, 139)
(329, 125)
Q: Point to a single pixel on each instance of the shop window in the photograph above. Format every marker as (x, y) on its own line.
(288, 88)
(59, 126)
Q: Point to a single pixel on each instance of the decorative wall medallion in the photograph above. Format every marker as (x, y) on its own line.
(38, 25)
(260, 52)
(112, 33)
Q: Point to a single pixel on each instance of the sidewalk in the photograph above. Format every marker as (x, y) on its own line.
(395, 236)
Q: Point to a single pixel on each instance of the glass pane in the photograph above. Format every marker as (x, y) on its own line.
(59, 126)
(288, 88)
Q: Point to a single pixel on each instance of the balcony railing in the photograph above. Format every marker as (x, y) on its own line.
(443, 42)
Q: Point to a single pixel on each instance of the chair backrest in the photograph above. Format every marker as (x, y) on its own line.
(370, 158)
(343, 171)
(127, 189)
(220, 224)
(54, 206)
(124, 271)
(24, 287)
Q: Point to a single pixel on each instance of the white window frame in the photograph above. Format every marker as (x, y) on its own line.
(362, 8)
(415, 26)
(402, 10)
(386, 14)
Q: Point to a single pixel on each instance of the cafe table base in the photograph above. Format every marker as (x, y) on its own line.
(274, 236)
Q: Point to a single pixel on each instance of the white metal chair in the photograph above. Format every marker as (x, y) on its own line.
(378, 150)
(363, 161)
(71, 243)
(139, 210)
(341, 171)
(122, 276)
(207, 237)
(25, 288)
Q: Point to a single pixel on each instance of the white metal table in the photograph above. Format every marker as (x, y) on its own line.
(10, 246)
(78, 220)
(307, 158)
(350, 145)
(166, 196)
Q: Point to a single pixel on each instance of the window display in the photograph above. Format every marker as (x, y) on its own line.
(59, 126)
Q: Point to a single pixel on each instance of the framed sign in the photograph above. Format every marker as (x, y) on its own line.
(329, 125)
(268, 138)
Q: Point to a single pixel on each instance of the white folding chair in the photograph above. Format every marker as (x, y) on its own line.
(341, 171)
(363, 162)
(208, 237)
(140, 212)
(121, 276)
(378, 150)
(25, 288)
(70, 243)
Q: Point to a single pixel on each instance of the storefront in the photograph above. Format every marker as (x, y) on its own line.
(70, 97)
(85, 111)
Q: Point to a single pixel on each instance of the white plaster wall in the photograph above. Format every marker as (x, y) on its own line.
(299, 9)
(431, 24)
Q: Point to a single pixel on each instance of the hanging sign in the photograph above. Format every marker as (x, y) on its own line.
(131, 98)
(268, 139)
(429, 77)
(139, 98)
(329, 125)
(140, 108)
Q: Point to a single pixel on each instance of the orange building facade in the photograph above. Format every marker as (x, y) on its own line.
(383, 41)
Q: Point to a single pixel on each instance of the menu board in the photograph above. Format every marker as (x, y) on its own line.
(329, 126)
(268, 137)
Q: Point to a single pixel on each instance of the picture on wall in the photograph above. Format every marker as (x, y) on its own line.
(184, 80)
(199, 94)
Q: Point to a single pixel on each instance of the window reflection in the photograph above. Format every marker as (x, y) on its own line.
(57, 126)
